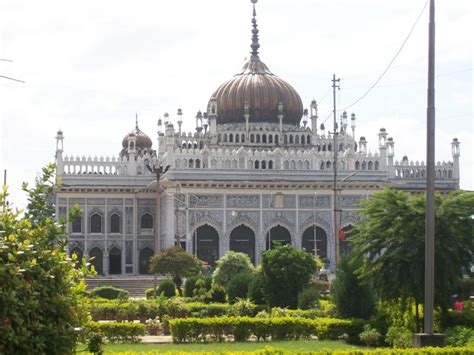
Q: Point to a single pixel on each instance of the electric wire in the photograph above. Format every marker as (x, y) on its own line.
(391, 62)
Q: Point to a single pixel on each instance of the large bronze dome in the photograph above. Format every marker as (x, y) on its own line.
(262, 90)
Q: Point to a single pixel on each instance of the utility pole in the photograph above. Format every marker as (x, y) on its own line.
(428, 338)
(335, 85)
(430, 179)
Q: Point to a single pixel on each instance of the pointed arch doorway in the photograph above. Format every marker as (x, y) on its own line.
(242, 239)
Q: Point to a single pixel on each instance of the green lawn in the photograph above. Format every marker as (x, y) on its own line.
(217, 347)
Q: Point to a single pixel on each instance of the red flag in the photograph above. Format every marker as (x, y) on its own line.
(342, 234)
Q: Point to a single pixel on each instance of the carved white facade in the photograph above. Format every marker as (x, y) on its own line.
(238, 184)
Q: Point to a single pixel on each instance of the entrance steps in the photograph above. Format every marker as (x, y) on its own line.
(135, 285)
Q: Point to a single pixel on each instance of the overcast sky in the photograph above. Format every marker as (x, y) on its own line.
(89, 66)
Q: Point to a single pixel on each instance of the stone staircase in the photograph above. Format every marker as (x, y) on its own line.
(135, 285)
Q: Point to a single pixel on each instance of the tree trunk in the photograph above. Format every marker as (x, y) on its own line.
(417, 316)
(178, 282)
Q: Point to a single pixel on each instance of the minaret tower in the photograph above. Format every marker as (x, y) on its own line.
(59, 152)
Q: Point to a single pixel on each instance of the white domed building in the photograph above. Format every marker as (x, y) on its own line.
(257, 170)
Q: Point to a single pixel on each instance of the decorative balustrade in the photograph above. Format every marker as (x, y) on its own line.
(103, 166)
(417, 170)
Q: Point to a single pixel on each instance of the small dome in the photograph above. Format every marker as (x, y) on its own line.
(142, 140)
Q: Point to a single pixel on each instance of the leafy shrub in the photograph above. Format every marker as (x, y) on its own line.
(238, 286)
(256, 289)
(241, 328)
(352, 298)
(286, 272)
(122, 332)
(243, 308)
(40, 288)
(95, 344)
(308, 298)
(190, 285)
(369, 336)
(109, 292)
(399, 337)
(229, 265)
(459, 336)
(216, 294)
(455, 318)
(167, 287)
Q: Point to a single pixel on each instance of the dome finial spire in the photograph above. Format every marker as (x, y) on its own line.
(255, 45)
(136, 121)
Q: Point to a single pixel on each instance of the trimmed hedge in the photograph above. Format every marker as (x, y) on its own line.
(118, 332)
(109, 292)
(268, 350)
(241, 328)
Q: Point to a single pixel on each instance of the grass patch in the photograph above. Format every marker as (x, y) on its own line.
(304, 345)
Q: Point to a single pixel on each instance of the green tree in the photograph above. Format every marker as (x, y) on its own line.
(176, 262)
(40, 288)
(391, 239)
(286, 271)
(229, 265)
(352, 298)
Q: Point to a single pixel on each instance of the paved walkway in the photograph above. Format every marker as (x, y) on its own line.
(157, 339)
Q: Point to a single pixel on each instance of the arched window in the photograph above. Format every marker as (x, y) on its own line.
(270, 164)
(264, 138)
(308, 139)
(376, 165)
(276, 139)
(257, 164)
(237, 138)
(77, 225)
(364, 165)
(285, 139)
(242, 138)
(321, 167)
(146, 221)
(264, 164)
(450, 174)
(324, 147)
(115, 223)
(231, 138)
(270, 138)
(291, 139)
(191, 163)
(292, 165)
(370, 165)
(286, 165)
(329, 147)
(328, 165)
(201, 144)
(198, 163)
(252, 138)
(357, 165)
(302, 140)
(96, 223)
(225, 137)
(258, 138)
(242, 239)
(297, 139)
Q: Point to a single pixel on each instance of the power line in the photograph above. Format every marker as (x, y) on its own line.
(391, 62)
